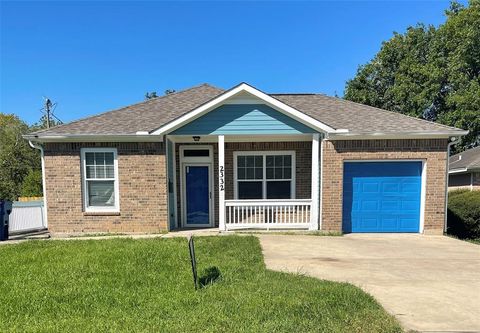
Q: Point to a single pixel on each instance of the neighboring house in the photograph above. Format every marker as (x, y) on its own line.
(464, 170)
(241, 158)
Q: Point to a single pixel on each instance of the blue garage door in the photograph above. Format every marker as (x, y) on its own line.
(381, 196)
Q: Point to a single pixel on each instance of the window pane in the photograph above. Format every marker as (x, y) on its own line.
(258, 161)
(241, 173)
(250, 190)
(109, 173)
(270, 161)
(250, 173)
(90, 158)
(287, 173)
(90, 171)
(250, 161)
(101, 193)
(270, 173)
(196, 152)
(258, 173)
(278, 160)
(278, 173)
(241, 161)
(99, 158)
(278, 190)
(100, 171)
(109, 159)
(287, 160)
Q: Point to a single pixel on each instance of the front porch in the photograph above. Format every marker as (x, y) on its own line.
(268, 214)
(234, 182)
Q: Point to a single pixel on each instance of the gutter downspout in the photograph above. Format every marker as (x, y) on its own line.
(450, 144)
(40, 147)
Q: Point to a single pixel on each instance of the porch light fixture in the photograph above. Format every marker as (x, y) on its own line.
(196, 138)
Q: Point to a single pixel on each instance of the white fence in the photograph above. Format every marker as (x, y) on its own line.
(26, 216)
(268, 214)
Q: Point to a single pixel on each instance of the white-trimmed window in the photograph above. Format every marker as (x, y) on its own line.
(264, 175)
(100, 179)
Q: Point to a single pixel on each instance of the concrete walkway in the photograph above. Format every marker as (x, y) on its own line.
(430, 283)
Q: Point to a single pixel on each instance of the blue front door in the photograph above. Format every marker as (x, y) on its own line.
(381, 196)
(197, 194)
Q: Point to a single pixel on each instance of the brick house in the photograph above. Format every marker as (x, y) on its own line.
(241, 158)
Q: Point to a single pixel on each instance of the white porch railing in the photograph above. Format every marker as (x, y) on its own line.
(268, 214)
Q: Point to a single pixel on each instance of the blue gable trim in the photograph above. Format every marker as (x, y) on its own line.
(243, 119)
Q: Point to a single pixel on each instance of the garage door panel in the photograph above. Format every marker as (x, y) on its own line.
(389, 223)
(369, 205)
(410, 206)
(370, 187)
(389, 205)
(381, 196)
(407, 223)
(390, 187)
(369, 223)
(410, 187)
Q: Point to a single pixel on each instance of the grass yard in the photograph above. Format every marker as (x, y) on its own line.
(146, 285)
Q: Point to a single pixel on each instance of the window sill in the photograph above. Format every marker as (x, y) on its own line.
(101, 213)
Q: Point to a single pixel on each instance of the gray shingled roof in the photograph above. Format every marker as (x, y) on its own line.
(468, 159)
(358, 118)
(334, 112)
(144, 116)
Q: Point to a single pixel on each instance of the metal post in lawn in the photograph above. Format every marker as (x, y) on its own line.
(193, 260)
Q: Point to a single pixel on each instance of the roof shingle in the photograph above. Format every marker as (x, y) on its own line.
(468, 159)
(143, 116)
(357, 118)
(334, 112)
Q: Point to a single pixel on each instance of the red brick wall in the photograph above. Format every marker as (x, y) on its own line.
(142, 189)
(433, 151)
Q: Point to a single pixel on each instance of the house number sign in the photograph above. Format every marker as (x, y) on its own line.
(222, 176)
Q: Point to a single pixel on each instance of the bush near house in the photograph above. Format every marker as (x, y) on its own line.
(32, 184)
(464, 214)
(126, 285)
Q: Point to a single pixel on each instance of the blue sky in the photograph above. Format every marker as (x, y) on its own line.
(91, 57)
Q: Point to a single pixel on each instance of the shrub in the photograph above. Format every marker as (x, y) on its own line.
(32, 184)
(464, 214)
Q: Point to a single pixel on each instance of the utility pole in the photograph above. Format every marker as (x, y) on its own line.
(48, 107)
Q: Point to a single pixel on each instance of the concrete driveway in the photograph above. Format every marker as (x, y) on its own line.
(430, 283)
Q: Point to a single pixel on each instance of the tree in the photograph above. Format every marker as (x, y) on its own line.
(32, 184)
(427, 72)
(153, 94)
(17, 158)
(150, 95)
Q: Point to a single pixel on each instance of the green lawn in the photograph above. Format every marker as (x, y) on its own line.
(146, 285)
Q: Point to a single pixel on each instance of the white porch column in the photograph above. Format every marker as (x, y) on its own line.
(221, 183)
(315, 183)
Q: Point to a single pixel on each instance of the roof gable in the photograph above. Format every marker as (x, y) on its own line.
(243, 90)
(243, 119)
